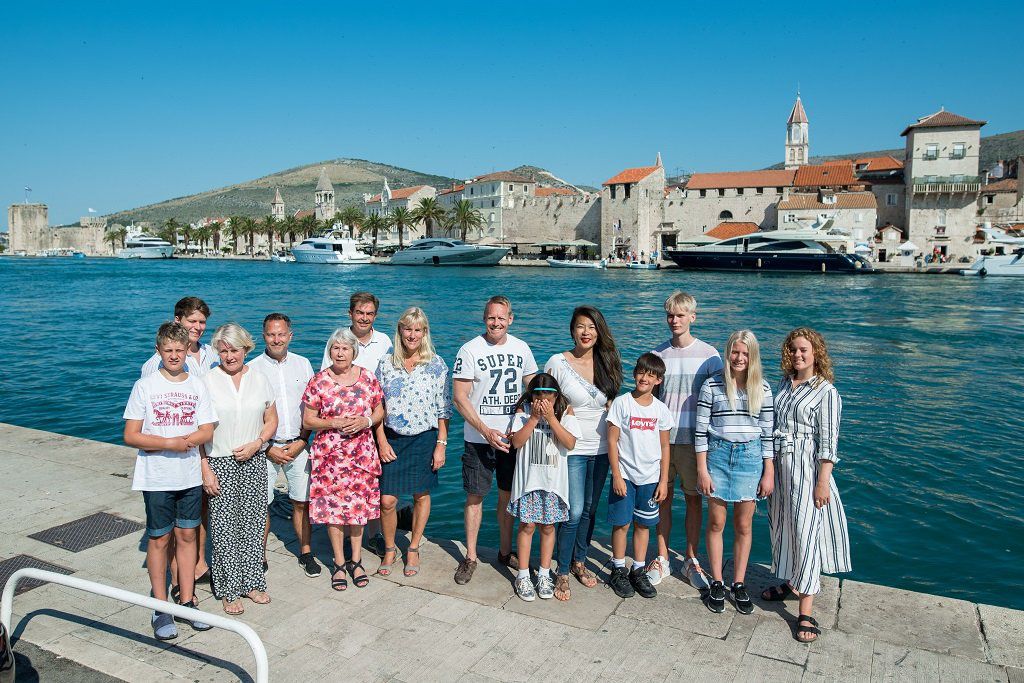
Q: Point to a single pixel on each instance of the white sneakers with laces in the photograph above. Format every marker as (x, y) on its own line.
(694, 574)
(658, 569)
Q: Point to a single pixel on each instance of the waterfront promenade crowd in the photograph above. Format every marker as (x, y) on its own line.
(370, 427)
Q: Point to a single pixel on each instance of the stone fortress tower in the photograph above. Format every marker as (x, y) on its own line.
(277, 206)
(797, 140)
(324, 197)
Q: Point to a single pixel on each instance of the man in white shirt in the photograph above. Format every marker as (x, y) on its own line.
(373, 345)
(288, 373)
(488, 378)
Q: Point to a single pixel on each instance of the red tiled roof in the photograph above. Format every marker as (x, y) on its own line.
(631, 175)
(727, 229)
(400, 193)
(456, 188)
(943, 119)
(875, 164)
(303, 213)
(844, 200)
(712, 181)
(505, 176)
(551, 191)
(832, 174)
(1004, 185)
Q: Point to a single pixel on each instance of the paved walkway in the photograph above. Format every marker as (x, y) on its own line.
(428, 628)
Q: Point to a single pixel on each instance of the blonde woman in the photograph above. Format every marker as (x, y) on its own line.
(235, 469)
(413, 436)
(807, 519)
(733, 443)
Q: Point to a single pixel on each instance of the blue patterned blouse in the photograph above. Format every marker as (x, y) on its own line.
(415, 400)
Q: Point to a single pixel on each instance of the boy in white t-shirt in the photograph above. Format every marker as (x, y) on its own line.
(638, 455)
(169, 414)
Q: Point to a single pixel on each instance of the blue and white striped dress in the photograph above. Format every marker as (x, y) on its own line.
(806, 541)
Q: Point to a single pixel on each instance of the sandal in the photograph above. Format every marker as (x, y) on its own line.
(811, 630)
(338, 584)
(582, 574)
(777, 593)
(233, 607)
(411, 569)
(259, 597)
(385, 568)
(359, 581)
(176, 593)
(562, 587)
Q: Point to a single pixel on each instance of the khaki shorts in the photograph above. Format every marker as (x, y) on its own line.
(682, 463)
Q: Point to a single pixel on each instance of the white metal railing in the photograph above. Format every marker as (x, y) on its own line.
(244, 630)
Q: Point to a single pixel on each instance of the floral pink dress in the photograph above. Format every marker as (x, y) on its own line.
(344, 470)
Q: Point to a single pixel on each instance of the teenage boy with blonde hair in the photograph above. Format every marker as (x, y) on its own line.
(688, 362)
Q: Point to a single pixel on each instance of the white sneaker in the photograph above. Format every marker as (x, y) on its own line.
(658, 570)
(695, 575)
(545, 587)
(524, 589)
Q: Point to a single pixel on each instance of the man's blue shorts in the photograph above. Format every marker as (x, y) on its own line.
(637, 505)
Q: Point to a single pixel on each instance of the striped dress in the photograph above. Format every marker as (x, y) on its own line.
(806, 541)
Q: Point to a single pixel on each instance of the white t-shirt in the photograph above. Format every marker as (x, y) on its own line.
(169, 409)
(541, 463)
(639, 442)
(497, 372)
(288, 378)
(240, 411)
(208, 359)
(370, 353)
(588, 403)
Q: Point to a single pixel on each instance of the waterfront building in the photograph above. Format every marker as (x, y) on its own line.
(277, 206)
(942, 183)
(492, 194)
(29, 230)
(450, 196)
(883, 176)
(735, 196)
(854, 213)
(798, 144)
(324, 197)
(632, 211)
(1001, 198)
(387, 200)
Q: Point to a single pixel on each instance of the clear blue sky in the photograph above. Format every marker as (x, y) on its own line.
(114, 105)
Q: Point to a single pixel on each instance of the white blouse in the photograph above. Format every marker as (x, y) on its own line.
(239, 412)
(588, 403)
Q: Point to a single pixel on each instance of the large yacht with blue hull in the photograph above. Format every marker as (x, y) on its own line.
(801, 251)
(441, 251)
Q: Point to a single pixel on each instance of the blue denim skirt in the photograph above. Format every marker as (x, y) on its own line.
(735, 469)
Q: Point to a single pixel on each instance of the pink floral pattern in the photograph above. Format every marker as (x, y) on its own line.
(344, 470)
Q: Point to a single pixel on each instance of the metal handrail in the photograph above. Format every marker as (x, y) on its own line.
(244, 630)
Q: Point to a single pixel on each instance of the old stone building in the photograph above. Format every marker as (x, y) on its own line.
(277, 206)
(852, 212)
(324, 197)
(30, 231)
(798, 143)
(632, 211)
(387, 200)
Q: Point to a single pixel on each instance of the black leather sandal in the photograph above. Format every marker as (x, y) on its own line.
(336, 583)
(777, 593)
(359, 581)
(801, 628)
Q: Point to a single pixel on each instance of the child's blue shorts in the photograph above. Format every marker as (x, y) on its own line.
(168, 509)
(637, 505)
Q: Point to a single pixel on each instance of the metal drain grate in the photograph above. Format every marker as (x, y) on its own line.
(9, 566)
(87, 532)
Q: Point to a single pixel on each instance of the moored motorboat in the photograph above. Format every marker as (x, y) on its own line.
(143, 246)
(576, 263)
(642, 265)
(330, 249)
(441, 251)
(808, 251)
(282, 256)
(1000, 265)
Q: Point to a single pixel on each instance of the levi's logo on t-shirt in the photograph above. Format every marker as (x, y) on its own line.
(643, 424)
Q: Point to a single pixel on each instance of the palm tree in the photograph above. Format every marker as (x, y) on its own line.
(291, 226)
(215, 229)
(429, 212)
(115, 235)
(202, 235)
(308, 225)
(465, 217)
(269, 228)
(352, 216)
(235, 230)
(249, 228)
(373, 224)
(170, 231)
(400, 218)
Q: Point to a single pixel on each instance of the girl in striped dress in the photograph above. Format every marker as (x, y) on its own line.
(733, 443)
(806, 516)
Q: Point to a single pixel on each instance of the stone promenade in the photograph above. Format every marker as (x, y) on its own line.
(429, 629)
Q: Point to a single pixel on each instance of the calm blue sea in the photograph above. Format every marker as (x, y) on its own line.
(929, 368)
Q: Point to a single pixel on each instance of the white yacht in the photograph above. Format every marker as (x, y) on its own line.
(329, 248)
(441, 251)
(141, 245)
(1005, 264)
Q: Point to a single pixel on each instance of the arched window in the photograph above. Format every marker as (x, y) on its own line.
(725, 215)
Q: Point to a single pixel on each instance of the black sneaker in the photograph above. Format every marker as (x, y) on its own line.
(309, 565)
(741, 598)
(639, 581)
(715, 600)
(619, 581)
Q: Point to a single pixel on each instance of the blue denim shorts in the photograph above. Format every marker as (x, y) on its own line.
(637, 505)
(168, 509)
(735, 469)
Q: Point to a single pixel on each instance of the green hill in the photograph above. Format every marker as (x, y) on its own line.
(350, 177)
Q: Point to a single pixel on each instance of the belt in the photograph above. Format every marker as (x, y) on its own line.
(783, 443)
(285, 442)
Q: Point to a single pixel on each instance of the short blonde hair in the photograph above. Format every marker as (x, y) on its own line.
(234, 335)
(500, 300)
(679, 300)
(343, 335)
(412, 316)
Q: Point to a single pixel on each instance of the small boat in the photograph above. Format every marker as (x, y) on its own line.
(282, 256)
(143, 246)
(330, 248)
(800, 250)
(1000, 265)
(576, 263)
(61, 252)
(642, 265)
(435, 251)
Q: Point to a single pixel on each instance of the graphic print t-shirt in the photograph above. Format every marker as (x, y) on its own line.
(541, 464)
(168, 409)
(639, 442)
(497, 372)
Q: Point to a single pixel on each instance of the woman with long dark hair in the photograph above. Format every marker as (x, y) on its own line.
(590, 376)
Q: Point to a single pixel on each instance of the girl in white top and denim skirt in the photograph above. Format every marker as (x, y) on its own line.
(734, 449)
